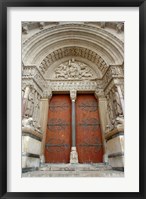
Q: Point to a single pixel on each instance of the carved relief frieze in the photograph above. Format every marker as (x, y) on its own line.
(70, 85)
(47, 93)
(73, 51)
(99, 93)
(31, 107)
(113, 72)
(32, 76)
(30, 81)
(73, 69)
(115, 112)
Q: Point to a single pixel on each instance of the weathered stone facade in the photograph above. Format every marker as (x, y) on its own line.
(72, 57)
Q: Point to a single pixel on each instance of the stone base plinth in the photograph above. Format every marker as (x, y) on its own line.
(73, 156)
(30, 162)
(31, 149)
(115, 148)
(42, 158)
(105, 159)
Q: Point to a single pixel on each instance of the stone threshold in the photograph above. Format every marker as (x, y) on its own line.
(106, 173)
(75, 167)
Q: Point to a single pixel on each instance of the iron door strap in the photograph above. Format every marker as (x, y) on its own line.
(94, 143)
(57, 124)
(56, 145)
(92, 123)
(90, 145)
(88, 106)
(57, 106)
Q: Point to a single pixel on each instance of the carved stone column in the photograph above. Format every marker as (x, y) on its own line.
(44, 106)
(24, 99)
(73, 154)
(103, 119)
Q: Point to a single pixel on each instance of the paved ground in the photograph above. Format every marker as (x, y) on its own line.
(76, 170)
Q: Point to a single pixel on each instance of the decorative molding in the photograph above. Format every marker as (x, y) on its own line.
(117, 26)
(115, 155)
(84, 26)
(47, 93)
(34, 136)
(99, 93)
(77, 85)
(35, 48)
(28, 131)
(31, 155)
(31, 72)
(111, 25)
(73, 51)
(113, 72)
(114, 132)
(110, 136)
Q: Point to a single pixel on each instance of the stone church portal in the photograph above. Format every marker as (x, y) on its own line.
(73, 95)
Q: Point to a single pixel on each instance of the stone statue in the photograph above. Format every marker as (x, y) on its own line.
(110, 109)
(27, 122)
(73, 70)
(119, 121)
(73, 156)
(30, 104)
(119, 27)
(22, 94)
(36, 107)
(117, 103)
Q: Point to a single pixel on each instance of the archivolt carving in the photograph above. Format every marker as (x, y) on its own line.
(84, 26)
(73, 51)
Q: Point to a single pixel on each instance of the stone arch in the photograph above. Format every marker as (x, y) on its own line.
(59, 38)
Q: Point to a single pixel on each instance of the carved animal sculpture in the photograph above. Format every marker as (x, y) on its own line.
(27, 122)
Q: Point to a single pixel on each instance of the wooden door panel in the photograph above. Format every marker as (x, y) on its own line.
(58, 135)
(88, 132)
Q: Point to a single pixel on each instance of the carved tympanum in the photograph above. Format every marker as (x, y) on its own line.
(73, 69)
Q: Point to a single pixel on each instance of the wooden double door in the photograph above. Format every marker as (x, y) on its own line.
(88, 132)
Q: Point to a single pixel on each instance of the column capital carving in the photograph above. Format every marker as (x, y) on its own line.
(99, 93)
(73, 94)
(47, 94)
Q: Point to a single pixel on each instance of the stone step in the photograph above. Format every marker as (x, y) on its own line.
(75, 167)
(106, 173)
